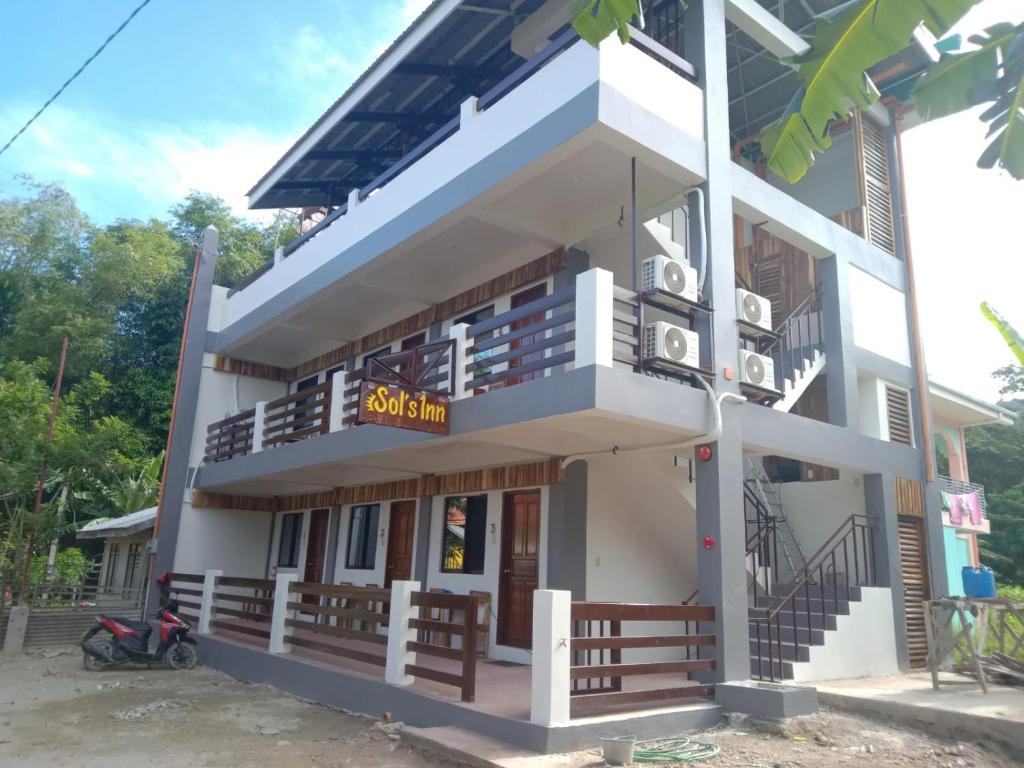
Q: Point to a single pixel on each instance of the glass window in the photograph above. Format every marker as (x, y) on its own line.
(464, 536)
(362, 537)
(291, 535)
(112, 555)
(379, 353)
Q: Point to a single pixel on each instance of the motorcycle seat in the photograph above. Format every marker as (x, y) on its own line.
(141, 626)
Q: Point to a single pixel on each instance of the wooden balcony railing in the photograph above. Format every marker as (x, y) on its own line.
(230, 437)
(302, 414)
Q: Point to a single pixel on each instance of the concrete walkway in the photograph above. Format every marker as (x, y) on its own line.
(958, 710)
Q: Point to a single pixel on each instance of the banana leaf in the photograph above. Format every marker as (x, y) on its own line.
(1008, 332)
(602, 17)
(1006, 116)
(834, 72)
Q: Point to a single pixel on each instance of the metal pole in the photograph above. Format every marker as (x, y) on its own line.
(635, 233)
(23, 588)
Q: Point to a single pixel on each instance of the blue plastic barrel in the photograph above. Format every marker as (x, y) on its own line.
(979, 582)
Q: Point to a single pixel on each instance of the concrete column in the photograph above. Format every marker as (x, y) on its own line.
(840, 372)
(182, 429)
(721, 566)
(594, 307)
(17, 623)
(549, 675)
(400, 633)
(278, 255)
(207, 603)
(424, 512)
(880, 507)
(567, 531)
(278, 629)
(460, 359)
(259, 423)
(339, 381)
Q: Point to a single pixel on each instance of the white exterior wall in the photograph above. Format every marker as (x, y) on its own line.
(879, 317)
(641, 529)
(462, 583)
(235, 541)
(815, 510)
(123, 543)
(361, 577)
(851, 651)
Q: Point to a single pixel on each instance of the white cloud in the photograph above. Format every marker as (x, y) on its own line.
(118, 170)
(965, 224)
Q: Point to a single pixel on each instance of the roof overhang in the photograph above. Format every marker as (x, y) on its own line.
(127, 525)
(956, 409)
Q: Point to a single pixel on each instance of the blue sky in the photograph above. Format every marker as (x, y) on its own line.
(194, 93)
(207, 94)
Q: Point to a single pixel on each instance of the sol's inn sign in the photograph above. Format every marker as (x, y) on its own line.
(406, 408)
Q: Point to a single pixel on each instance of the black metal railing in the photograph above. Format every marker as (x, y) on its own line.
(798, 337)
(783, 624)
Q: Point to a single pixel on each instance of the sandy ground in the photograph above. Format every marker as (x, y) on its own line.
(54, 714)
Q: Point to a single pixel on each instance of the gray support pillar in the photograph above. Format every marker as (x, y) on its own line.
(423, 514)
(567, 532)
(935, 540)
(182, 428)
(880, 506)
(721, 566)
(331, 556)
(17, 624)
(840, 372)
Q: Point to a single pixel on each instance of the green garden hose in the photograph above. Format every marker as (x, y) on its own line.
(678, 750)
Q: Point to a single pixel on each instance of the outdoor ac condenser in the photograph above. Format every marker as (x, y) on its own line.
(757, 370)
(664, 341)
(667, 274)
(754, 309)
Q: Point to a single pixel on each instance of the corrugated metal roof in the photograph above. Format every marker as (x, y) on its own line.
(119, 526)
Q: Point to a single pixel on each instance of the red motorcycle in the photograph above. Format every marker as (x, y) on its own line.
(133, 641)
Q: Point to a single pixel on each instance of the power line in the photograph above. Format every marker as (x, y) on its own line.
(79, 71)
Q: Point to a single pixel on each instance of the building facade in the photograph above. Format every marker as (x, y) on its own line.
(554, 333)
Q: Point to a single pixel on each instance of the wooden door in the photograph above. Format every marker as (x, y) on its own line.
(518, 300)
(401, 531)
(316, 550)
(914, 565)
(520, 567)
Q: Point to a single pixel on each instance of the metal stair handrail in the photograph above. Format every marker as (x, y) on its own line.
(812, 301)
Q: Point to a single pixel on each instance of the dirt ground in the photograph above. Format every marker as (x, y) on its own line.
(54, 713)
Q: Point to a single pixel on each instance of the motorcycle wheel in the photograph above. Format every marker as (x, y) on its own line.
(182, 656)
(90, 662)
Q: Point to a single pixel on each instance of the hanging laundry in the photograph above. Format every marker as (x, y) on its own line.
(961, 505)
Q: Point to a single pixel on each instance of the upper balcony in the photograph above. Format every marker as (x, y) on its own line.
(540, 160)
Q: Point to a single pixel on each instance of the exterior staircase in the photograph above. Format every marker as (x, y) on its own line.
(764, 505)
(799, 350)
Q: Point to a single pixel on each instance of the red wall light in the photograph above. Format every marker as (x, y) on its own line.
(709, 542)
(703, 452)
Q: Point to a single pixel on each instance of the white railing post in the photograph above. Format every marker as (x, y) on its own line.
(278, 255)
(595, 298)
(552, 630)
(338, 383)
(207, 603)
(459, 359)
(259, 421)
(278, 629)
(400, 633)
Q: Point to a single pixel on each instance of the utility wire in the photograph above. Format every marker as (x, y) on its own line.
(79, 71)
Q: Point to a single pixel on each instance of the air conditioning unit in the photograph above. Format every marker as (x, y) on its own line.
(757, 370)
(754, 309)
(666, 274)
(664, 341)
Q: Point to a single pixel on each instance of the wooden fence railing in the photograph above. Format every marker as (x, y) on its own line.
(187, 589)
(523, 343)
(297, 416)
(340, 612)
(230, 437)
(626, 327)
(247, 604)
(433, 608)
(597, 631)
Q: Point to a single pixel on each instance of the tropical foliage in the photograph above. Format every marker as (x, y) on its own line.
(118, 292)
(1007, 331)
(599, 18)
(834, 72)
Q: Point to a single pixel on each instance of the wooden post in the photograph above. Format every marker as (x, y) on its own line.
(469, 649)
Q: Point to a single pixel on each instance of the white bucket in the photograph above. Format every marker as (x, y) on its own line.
(618, 750)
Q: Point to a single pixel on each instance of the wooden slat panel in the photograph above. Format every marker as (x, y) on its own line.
(916, 590)
(238, 581)
(336, 650)
(188, 578)
(897, 408)
(433, 674)
(648, 641)
(241, 628)
(455, 654)
(641, 612)
(436, 626)
(585, 704)
(646, 668)
(343, 632)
